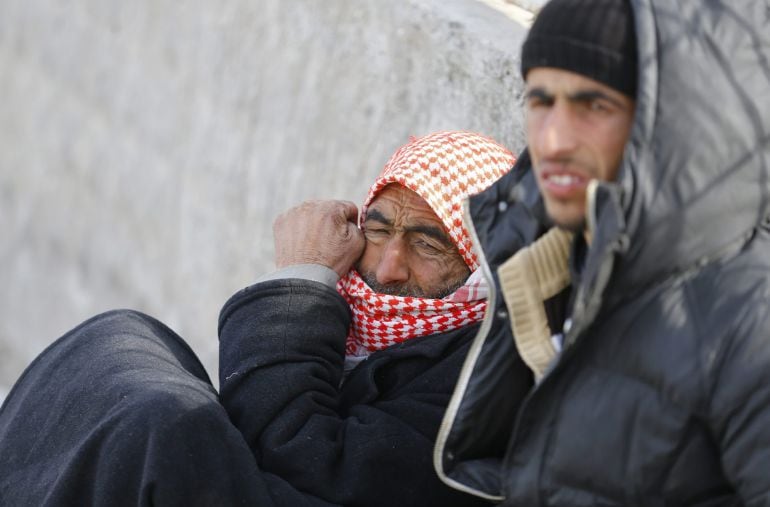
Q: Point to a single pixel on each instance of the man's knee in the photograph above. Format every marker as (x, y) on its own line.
(129, 341)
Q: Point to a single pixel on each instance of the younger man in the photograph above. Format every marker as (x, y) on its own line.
(643, 315)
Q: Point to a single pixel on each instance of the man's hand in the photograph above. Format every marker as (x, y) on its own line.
(319, 232)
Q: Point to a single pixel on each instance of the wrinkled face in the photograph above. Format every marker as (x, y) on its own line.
(577, 129)
(408, 252)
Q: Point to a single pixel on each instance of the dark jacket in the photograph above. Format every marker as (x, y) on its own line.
(367, 443)
(661, 395)
(119, 411)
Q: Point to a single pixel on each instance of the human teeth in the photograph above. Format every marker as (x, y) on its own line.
(562, 179)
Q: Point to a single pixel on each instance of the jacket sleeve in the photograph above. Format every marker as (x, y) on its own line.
(281, 362)
(740, 407)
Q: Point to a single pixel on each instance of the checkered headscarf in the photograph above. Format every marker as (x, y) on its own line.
(443, 168)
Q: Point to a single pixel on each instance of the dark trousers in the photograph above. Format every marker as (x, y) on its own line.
(119, 411)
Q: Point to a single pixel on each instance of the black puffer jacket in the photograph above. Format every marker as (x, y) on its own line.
(661, 395)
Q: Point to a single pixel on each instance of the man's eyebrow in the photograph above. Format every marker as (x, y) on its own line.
(431, 231)
(591, 95)
(373, 214)
(538, 93)
(578, 96)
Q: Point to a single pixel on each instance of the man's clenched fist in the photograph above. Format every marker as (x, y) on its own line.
(319, 232)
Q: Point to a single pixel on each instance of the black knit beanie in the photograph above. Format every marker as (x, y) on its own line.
(594, 38)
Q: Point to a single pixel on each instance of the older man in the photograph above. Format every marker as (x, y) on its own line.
(643, 315)
(120, 412)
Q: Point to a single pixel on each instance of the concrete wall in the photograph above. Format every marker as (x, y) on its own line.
(146, 146)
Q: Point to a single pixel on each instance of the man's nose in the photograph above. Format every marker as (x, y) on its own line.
(557, 136)
(393, 266)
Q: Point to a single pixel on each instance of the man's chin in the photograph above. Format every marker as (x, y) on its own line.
(576, 227)
(572, 222)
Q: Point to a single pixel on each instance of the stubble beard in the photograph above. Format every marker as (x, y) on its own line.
(410, 290)
(575, 226)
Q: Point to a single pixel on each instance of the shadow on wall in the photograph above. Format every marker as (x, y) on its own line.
(145, 147)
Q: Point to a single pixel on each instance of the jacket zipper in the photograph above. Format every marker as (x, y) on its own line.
(465, 372)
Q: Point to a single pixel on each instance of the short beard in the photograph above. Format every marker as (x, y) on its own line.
(410, 290)
(577, 227)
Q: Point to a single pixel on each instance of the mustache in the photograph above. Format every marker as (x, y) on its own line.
(409, 289)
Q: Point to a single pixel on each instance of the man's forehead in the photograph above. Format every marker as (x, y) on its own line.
(395, 198)
(554, 80)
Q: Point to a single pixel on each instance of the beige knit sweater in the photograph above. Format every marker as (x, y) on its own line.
(533, 275)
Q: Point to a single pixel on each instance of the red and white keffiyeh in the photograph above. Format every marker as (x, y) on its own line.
(443, 168)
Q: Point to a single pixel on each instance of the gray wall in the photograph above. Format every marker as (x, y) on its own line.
(146, 146)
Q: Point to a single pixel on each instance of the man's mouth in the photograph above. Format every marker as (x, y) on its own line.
(563, 184)
(564, 180)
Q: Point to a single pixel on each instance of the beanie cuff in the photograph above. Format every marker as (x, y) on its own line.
(590, 60)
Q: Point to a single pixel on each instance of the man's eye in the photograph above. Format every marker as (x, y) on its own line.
(426, 247)
(376, 233)
(536, 102)
(597, 106)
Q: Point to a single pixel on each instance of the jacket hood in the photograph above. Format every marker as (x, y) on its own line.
(694, 179)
